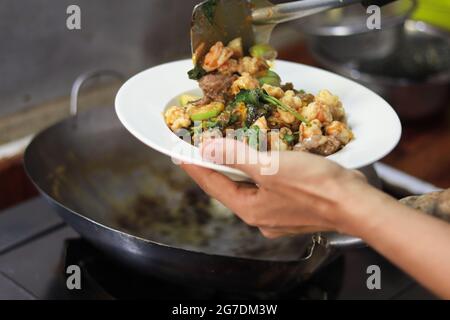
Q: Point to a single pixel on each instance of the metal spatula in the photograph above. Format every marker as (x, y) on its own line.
(252, 20)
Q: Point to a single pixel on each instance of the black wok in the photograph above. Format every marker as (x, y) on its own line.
(137, 206)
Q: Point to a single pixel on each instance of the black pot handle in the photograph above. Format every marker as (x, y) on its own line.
(323, 245)
(82, 79)
(343, 242)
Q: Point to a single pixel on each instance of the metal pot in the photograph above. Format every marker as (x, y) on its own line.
(343, 33)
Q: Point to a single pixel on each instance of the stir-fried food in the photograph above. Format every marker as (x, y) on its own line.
(244, 99)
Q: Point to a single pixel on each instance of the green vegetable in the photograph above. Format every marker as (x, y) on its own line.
(254, 112)
(197, 73)
(249, 97)
(212, 123)
(284, 107)
(206, 112)
(185, 99)
(289, 86)
(263, 51)
(221, 121)
(271, 78)
(253, 136)
(258, 98)
(289, 138)
(234, 118)
(209, 9)
(197, 130)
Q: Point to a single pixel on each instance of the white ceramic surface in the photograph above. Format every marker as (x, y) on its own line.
(141, 101)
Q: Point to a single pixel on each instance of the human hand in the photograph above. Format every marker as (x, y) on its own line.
(308, 193)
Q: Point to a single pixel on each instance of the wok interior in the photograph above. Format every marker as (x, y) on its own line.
(113, 179)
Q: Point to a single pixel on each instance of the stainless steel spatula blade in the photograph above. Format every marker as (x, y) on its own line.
(220, 20)
(251, 20)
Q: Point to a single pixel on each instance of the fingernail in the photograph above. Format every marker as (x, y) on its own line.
(211, 150)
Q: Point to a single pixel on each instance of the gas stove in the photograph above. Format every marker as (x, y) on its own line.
(36, 247)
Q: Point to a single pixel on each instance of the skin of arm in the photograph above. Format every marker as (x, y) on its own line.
(310, 193)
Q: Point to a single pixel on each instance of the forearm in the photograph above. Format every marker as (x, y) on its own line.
(417, 243)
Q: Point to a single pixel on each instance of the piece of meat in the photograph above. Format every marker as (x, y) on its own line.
(328, 148)
(215, 87)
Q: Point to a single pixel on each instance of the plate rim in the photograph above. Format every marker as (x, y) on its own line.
(232, 171)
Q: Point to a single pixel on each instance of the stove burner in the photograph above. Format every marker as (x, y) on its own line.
(111, 280)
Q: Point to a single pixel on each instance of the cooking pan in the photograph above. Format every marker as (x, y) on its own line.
(143, 211)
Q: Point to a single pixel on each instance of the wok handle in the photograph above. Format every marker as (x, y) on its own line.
(82, 79)
(323, 245)
(342, 241)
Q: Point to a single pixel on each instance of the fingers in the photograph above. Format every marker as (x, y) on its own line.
(258, 165)
(236, 154)
(254, 206)
(298, 197)
(232, 194)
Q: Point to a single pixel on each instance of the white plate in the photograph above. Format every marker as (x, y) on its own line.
(141, 101)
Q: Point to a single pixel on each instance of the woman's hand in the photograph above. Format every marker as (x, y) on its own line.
(306, 194)
(309, 193)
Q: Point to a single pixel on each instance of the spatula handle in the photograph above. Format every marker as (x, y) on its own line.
(298, 9)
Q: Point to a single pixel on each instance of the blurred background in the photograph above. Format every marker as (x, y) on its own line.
(407, 62)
